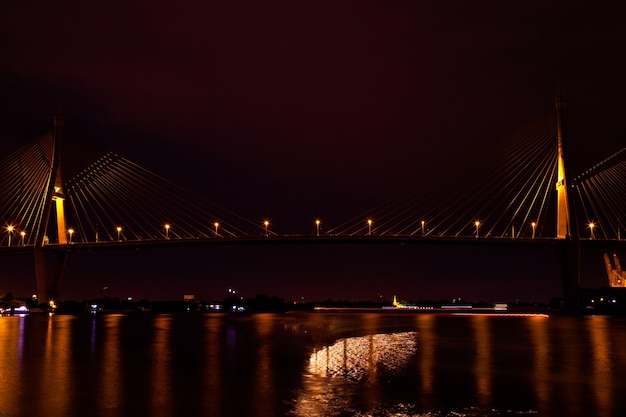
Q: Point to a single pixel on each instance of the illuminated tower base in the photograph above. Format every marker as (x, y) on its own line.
(569, 250)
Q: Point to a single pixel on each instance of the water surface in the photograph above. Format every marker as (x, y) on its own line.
(312, 364)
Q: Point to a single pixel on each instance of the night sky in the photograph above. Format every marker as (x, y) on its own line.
(297, 110)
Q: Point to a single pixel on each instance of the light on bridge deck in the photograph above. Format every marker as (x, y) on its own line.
(10, 233)
(591, 226)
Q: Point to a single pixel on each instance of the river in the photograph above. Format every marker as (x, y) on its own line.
(344, 363)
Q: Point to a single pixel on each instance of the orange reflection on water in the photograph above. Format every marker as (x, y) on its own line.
(571, 360)
(111, 389)
(11, 337)
(161, 398)
(483, 361)
(427, 351)
(602, 369)
(55, 380)
(541, 362)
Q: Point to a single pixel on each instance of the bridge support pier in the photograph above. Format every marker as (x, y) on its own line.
(48, 285)
(569, 260)
(49, 272)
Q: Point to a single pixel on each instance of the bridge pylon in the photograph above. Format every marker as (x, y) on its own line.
(567, 232)
(48, 284)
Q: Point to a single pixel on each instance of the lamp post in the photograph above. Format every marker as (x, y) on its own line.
(10, 232)
(317, 227)
(369, 227)
(534, 226)
(22, 234)
(216, 224)
(70, 232)
(477, 224)
(266, 223)
(119, 232)
(167, 230)
(591, 226)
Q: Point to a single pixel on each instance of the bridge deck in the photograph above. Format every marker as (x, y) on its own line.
(78, 247)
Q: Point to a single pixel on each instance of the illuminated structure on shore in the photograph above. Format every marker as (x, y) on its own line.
(617, 277)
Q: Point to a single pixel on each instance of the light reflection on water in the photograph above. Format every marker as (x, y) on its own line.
(161, 401)
(312, 364)
(358, 357)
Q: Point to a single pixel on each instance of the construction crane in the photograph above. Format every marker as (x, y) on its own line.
(617, 277)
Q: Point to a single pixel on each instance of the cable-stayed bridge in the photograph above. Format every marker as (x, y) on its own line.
(522, 196)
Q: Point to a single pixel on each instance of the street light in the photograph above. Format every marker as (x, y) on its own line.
(216, 224)
(119, 232)
(71, 232)
(167, 230)
(23, 234)
(266, 223)
(317, 227)
(591, 226)
(369, 226)
(534, 226)
(477, 224)
(10, 232)
(423, 222)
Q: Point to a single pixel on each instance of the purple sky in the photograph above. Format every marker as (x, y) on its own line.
(294, 110)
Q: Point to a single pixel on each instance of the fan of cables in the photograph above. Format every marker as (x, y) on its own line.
(116, 199)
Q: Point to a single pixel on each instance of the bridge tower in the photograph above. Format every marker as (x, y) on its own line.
(567, 232)
(48, 285)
